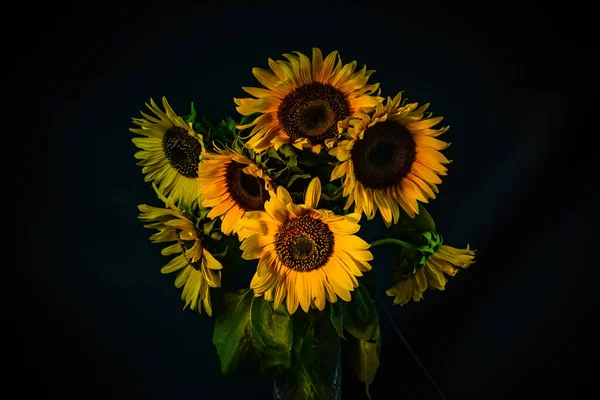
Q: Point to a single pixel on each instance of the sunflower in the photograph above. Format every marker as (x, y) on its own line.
(232, 185)
(444, 260)
(304, 101)
(170, 152)
(198, 269)
(306, 256)
(391, 158)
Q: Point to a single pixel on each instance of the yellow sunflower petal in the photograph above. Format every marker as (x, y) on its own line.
(313, 193)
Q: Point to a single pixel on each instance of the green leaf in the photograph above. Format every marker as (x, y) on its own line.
(298, 176)
(367, 359)
(288, 151)
(336, 314)
(422, 222)
(250, 333)
(274, 154)
(232, 334)
(191, 117)
(272, 336)
(360, 316)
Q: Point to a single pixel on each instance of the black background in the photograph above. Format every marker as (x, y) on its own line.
(100, 321)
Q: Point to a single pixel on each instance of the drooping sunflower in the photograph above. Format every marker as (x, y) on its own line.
(306, 255)
(391, 158)
(170, 152)
(444, 261)
(304, 101)
(232, 185)
(198, 269)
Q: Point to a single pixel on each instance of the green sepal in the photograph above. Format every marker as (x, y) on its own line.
(229, 125)
(408, 260)
(366, 360)
(208, 226)
(250, 336)
(203, 212)
(191, 117)
(432, 240)
(430, 243)
(216, 235)
(360, 317)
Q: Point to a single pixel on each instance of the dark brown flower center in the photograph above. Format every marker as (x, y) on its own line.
(304, 243)
(182, 150)
(247, 191)
(312, 111)
(384, 155)
(185, 246)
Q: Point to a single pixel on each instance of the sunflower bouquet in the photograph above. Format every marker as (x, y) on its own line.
(263, 215)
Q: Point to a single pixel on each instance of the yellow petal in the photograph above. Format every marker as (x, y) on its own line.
(211, 262)
(303, 290)
(313, 193)
(317, 290)
(174, 265)
(291, 298)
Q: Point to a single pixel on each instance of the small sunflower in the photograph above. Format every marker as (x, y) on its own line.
(306, 256)
(392, 158)
(444, 260)
(170, 152)
(198, 269)
(232, 185)
(304, 101)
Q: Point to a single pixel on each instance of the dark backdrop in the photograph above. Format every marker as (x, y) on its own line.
(100, 321)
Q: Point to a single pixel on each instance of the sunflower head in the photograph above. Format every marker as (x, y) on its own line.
(306, 255)
(305, 100)
(427, 267)
(197, 268)
(390, 159)
(232, 185)
(170, 152)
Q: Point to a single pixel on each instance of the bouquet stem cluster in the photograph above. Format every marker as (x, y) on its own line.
(282, 192)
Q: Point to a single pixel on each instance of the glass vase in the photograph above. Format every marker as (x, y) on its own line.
(317, 376)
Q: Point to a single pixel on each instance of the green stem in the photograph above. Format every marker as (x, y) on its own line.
(397, 242)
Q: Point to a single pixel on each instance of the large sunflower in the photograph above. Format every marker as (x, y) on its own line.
(391, 159)
(232, 185)
(304, 101)
(170, 152)
(198, 269)
(444, 261)
(305, 255)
